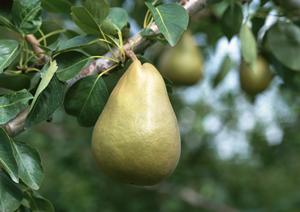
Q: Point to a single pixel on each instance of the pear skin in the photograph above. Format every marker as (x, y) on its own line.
(182, 64)
(256, 78)
(136, 139)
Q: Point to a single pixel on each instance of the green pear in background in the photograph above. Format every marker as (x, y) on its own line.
(256, 77)
(136, 139)
(182, 64)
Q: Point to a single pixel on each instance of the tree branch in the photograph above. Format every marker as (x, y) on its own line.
(136, 43)
(36, 48)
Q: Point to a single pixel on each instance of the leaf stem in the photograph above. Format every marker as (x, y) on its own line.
(44, 37)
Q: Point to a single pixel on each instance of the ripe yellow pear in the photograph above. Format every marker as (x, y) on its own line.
(136, 138)
(256, 78)
(182, 64)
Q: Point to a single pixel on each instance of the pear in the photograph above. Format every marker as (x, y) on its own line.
(256, 77)
(136, 139)
(182, 64)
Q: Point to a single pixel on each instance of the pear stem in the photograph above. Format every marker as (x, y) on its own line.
(131, 54)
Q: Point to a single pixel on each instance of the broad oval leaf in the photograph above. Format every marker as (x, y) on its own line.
(11, 195)
(57, 6)
(11, 104)
(6, 23)
(86, 99)
(29, 163)
(9, 50)
(232, 20)
(47, 102)
(26, 15)
(98, 9)
(118, 17)
(171, 19)
(7, 159)
(248, 44)
(14, 82)
(71, 71)
(283, 40)
(38, 203)
(84, 20)
(74, 43)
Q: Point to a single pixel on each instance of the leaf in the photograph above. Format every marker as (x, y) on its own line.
(39, 203)
(171, 19)
(7, 160)
(86, 99)
(14, 82)
(11, 104)
(47, 102)
(29, 163)
(9, 50)
(6, 23)
(283, 40)
(98, 9)
(71, 71)
(57, 6)
(47, 73)
(84, 20)
(118, 17)
(10, 195)
(223, 71)
(248, 44)
(74, 43)
(26, 15)
(232, 20)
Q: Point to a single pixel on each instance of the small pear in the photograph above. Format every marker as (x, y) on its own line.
(255, 78)
(182, 64)
(136, 138)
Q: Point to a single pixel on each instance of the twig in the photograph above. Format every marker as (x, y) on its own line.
(36, 48)
(137, 43)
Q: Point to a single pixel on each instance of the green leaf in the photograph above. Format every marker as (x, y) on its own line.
(86, 99)
(248, 44)
(9, 50)
(29, 163)
(14, 82)
(47, 73)
(26, 15)
(98, 9)
(71, 71)
(57, 6)
(223, 71)
(11, 104)
(40, 204)
(171, 19)
(7, 160)
(6, 23)
(10, 195)
(232, 20)
(283, 41)
(74, 43)
(84, 20)
(118, 17)
(47, 102)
